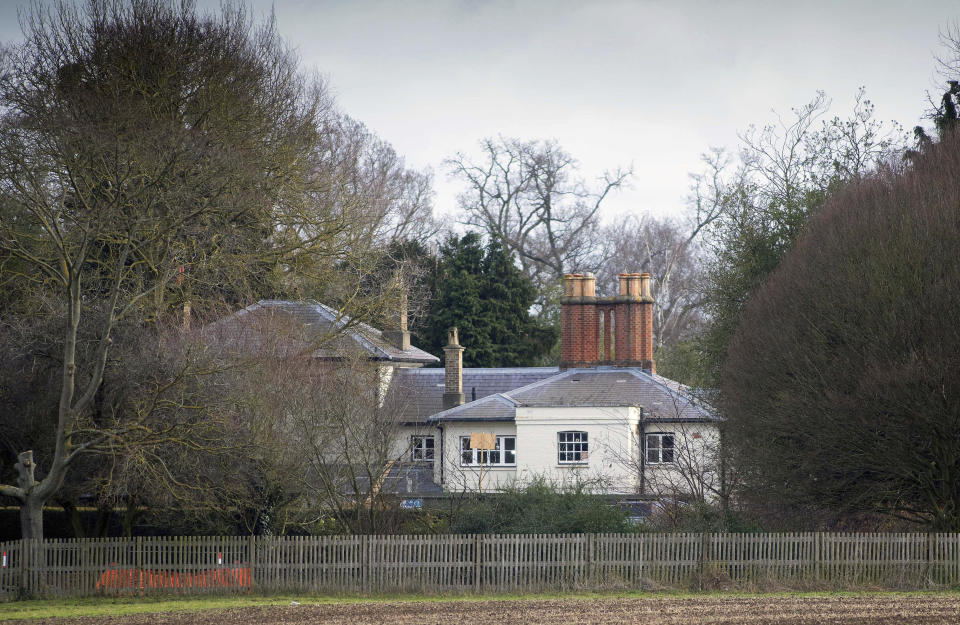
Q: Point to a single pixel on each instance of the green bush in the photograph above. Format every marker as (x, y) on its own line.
(543, 508)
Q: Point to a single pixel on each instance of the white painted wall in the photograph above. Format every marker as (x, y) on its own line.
(613, 465)
(610, 446)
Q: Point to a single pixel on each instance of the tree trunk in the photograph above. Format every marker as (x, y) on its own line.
(101, 528)
(129, 517)
(31, 518)
(76, 522)
(31, 506)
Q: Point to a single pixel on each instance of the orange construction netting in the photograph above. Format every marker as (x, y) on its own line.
(141, 579)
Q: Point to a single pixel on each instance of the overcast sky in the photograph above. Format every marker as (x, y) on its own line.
(652, 84)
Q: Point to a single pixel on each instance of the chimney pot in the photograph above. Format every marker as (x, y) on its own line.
(589, 285)
(577, 284)
(645, 286)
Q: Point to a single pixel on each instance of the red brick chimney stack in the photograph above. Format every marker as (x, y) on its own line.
(616, 331)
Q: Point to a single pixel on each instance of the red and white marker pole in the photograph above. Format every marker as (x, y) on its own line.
(219, 557)
(4, 559)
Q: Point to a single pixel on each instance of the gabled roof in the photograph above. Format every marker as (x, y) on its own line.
(498, 407)
(288, 328)
(418, 393)
(661, 399)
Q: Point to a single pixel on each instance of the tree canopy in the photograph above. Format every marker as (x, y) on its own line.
(154, 160)
(480, 290)
(766, 196)
(840, 385)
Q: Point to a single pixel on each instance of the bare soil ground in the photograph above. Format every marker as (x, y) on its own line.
(841, 610)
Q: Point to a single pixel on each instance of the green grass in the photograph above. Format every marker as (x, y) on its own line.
(104, 606)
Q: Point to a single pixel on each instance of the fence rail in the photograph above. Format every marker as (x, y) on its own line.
(474, 563)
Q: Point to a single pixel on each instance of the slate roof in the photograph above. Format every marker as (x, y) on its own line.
(288, 328)
(418, 393)
(662, 399)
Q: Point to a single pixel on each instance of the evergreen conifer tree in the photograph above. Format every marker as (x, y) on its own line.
(480, 290)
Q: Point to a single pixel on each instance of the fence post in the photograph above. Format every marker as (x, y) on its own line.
(364, 563)
(24, 588)
(816, 556)
(592, 568)
(251, 557)
(138, 560)
(704, 545)
(477, 542)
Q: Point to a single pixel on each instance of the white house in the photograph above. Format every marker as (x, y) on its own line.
(604, 418)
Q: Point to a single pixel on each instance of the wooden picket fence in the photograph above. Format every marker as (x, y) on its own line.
(475, 563)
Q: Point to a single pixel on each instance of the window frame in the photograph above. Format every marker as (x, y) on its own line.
(500, 453)
(422, 448)
(659, 448)
(583, 441)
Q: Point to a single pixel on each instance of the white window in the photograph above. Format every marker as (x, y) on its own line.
(659, 447)
(421, 448)
(573, 447)
(505, 454)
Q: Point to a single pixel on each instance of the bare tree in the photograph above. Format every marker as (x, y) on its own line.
(783, 174)
(673, 454)
(350, 434)
(131, 137)
(672, 256)
(528, 195)
(362, 175)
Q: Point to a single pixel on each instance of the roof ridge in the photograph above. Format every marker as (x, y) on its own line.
(471, 404)
(533, 385)
(310, 313)
(506, 399)
(488, 370)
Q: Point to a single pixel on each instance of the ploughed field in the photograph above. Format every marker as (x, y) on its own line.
(865, 609)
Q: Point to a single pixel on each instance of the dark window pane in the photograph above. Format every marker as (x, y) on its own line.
(510, 457)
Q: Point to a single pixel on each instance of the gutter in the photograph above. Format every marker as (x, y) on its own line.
(441, 459)
(641, 434)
